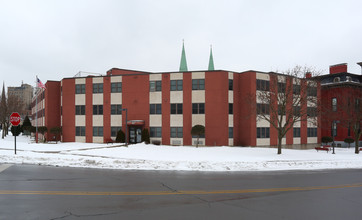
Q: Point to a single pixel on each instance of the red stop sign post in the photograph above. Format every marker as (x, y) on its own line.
(15, 121)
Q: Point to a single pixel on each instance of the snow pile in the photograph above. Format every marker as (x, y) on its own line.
(151, 157)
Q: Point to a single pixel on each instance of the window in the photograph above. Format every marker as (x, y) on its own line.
(80, 89)
(356, 105)
(231, 108)
(334, 129)
(98, 88)
(176, 85)
(231, 84)
(281, 87)
(198, 84)
(155, 132)
(116, 87)
(155, 86)
(114, 131)
(262, 85)
(312, 91)
(155, 109)
(296, 132)
(97, 109)
(334, 104)
(176, 108)
(231, 132)
(80, 109)
(98, 131)
(262, 109)
(336, 79)
(296, 89)
(312, 132)
(296, 111)
(312, 111)
(176, 132)
(198, 108)
(281, 110)
(79, 131)
(262, 132)
(116, 109)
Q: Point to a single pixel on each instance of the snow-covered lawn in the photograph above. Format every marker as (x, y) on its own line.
(151, 157)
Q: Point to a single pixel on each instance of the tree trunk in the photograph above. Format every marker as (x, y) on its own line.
(279, 145)
(197, 142)
(356, 149)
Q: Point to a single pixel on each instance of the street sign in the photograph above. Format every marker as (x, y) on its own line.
(15, 119)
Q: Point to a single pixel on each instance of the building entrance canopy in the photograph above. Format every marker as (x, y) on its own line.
(136, 122)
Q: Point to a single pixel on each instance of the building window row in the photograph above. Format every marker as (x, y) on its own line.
(155, 86)
(116, 87)
(311, 132)
(231, 132)
(231, 84)
(114, 131)
(263, 132)
(231, 108)
(198, 108)
(155, 109)
(116, 109)
(176, 85)
(262, 85)
(312, 91)
(262, 109)
(98, 131)
(80, 109)
(198, 84)
(98, 88)
(97, 109)
(296, 132)
(176, 108)
(80, 89)
(176, 132)
(155, 132)
(80, 131)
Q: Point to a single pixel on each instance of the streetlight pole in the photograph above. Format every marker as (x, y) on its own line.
(124, 109)
(334, 127)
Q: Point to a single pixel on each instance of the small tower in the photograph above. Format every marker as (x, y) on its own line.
(211, 60)
(183, 64)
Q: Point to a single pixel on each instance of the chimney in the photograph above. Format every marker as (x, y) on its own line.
(339, 68)
(308, 75)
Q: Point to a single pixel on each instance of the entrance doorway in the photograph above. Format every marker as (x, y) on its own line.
(135, 134)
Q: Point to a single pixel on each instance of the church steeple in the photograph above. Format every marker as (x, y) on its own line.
(211, 61)
(183, 64)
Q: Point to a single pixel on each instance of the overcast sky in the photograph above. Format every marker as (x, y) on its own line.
(57, 39)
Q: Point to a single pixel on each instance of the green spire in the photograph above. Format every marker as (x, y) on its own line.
(211, 61)
(183, 64)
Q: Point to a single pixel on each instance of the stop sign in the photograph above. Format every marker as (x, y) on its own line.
(15, 119)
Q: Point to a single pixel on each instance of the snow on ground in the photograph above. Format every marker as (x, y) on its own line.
(151, 157)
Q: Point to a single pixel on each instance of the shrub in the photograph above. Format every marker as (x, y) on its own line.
(349, 141)
(327, 139)
(145, 136)
(56, 131)
(198, 130)
(120, 136)
(156, 142)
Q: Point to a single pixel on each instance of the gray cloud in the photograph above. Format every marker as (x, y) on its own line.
(57, 39)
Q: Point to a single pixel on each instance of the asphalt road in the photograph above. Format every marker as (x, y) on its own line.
(40, 192)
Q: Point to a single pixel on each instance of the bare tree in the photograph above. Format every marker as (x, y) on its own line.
(9, 104)
(286, 99)
(3, 112)
(348, 113)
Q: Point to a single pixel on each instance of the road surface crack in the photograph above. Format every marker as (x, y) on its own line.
(70, 214)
